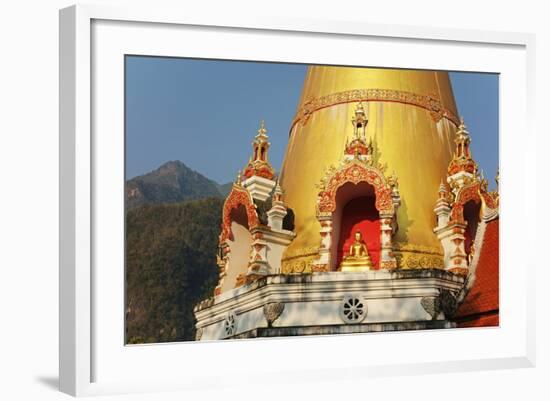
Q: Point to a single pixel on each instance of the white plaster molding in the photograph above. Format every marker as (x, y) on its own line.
(259, 187)
(316, 299)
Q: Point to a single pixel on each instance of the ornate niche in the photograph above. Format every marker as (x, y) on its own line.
(239, 212)
(356, 176)
(459, 210)
(457, 231)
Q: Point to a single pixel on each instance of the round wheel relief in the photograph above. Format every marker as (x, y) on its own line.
(230, 324)
(353, 309)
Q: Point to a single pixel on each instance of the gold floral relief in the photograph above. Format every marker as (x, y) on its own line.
(298, 266)
(429, 102)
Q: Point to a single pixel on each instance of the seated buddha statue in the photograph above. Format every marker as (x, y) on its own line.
(358, 258)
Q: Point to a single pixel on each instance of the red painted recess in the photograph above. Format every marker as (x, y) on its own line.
(360, 214)
(471, 215)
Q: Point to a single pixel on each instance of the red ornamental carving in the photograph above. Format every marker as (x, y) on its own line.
(457, 213)
(262, 171)
(469, 193)
(462, 165)
(357, 146)
(489, 200)
(238, 197)
(356, 173)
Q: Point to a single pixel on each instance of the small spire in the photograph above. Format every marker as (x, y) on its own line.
(462, 129)
(258, 163)
(261, 131)
(278, 192)
(239, 178)
(359, 121)
(462, 141)
(442, 190)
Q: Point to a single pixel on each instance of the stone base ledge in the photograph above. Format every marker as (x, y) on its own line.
(344, 329)
(332, 303)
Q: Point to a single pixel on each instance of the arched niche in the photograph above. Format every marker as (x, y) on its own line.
(354, 179)
(239, 245)
(466, 210)
(355, 211)
(236, 198)
(239, 218)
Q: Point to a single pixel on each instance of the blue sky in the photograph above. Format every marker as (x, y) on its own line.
(205, 113)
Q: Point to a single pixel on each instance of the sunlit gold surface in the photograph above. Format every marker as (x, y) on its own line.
(405, 136)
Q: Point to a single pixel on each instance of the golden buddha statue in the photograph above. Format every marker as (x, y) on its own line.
(358, 258)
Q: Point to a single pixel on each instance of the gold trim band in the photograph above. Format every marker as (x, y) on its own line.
(428, 102)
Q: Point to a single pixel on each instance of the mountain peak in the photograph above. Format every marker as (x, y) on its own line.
(172, 182)
(174, 164)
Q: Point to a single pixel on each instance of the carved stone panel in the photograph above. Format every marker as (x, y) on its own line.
(272, 311)
(432, 305)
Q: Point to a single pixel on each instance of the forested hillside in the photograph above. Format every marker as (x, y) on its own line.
(170, 267)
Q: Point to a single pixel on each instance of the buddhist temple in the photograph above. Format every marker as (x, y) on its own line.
(379, 219)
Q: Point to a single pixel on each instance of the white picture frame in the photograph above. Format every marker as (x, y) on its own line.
(84, 333)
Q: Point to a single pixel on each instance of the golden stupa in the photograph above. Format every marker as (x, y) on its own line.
(412, 120)
(378, 178)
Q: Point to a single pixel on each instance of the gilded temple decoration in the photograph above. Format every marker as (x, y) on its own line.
(359, 146)
(258, 165)
(462, 158)
(238, 197)
(466, 185)
(401, 133)
(472, 192)
(259, 194)
(358, 166)
(356, 171)
(428, 102)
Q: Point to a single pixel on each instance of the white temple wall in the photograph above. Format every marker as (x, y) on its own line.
(238, 256)
(274, 256)
(318, 301)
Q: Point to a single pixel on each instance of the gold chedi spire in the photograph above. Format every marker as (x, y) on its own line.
(412, 121)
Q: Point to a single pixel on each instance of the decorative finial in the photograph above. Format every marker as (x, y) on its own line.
(278, 192)
(462, 129)
(262, 131)
(359, 121)
(239, 178)
(442, 191)
(259, 164)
